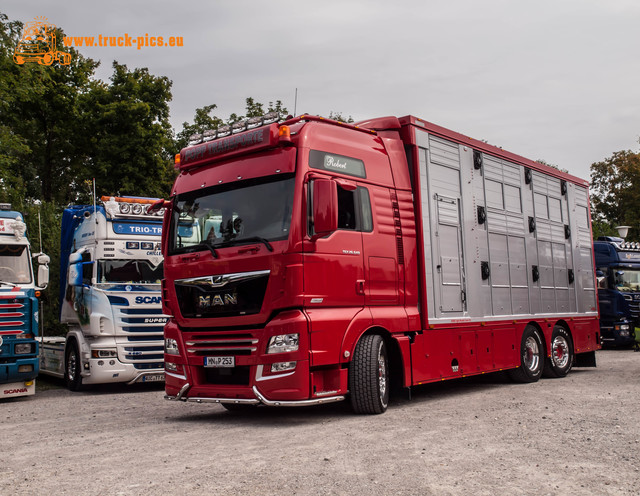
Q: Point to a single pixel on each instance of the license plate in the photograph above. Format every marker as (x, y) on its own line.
(220, 361)
(153, 378)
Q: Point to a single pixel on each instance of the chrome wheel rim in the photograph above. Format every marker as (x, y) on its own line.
(71, 366)
(560, 352)
(531, 357)
(382, 374)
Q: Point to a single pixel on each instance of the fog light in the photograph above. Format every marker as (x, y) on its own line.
(173, 367)
(101, 362)
(283, 366)
(25, 368)
(283, 343)
(171, 346)
(23, 348)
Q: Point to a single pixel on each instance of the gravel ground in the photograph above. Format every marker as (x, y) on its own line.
(482, 436)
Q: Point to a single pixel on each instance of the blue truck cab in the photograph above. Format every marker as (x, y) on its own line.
(618, 273)
(19, 306)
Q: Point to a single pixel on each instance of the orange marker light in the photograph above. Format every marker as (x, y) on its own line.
(284, 133)
(176, 161)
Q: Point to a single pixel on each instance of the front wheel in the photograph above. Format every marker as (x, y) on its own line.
(561, 360)
(531, 357)
(369, 376)
(72, 367)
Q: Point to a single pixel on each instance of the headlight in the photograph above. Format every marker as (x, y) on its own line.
(622, 327)
(104, 353)
(23, 348)
(171, 346)
(283, 343)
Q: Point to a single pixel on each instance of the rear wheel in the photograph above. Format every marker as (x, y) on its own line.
(531, 357)
(72, 367)
(561, 360)
(369, 375)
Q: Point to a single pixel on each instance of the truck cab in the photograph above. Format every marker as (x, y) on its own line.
(110, 272)
(19, 306)
(618, 273)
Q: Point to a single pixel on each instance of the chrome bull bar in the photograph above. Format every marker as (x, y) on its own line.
(259, 399)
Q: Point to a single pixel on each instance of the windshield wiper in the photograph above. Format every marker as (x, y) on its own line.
(252, 239)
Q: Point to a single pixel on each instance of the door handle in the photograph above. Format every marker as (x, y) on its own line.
(360, 286)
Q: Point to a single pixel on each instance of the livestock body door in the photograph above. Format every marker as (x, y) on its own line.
(443, 178)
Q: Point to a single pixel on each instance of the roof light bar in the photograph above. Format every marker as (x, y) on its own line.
(129, 206)
(235, 128)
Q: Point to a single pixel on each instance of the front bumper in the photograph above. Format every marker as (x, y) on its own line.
(259, 399)
(107, 370)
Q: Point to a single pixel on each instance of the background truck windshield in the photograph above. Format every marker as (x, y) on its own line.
(627, 280)
(14, 264)
(222, 216)
(131, 271)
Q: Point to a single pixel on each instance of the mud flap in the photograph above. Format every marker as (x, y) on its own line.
(585, 359)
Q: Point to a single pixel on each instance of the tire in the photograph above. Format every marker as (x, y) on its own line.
(531, 357)
(561, 360)
(72, 368)
(369, 376)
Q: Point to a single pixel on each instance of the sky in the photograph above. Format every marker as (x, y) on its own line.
(552, 80)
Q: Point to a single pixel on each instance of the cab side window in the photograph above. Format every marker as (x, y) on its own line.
(346, 209)
(354, 210)
(87, 268)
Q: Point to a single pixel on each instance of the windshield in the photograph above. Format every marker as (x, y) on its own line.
(250, 211)
(14, 264)
(627, 280)
(129, 271)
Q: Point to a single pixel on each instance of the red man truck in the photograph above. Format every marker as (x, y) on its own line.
(309, 261)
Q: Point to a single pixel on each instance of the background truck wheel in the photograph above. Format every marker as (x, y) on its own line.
(561, 360)
(72, 367)
(369, 376)
(531, 357)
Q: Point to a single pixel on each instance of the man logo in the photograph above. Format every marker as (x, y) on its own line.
(217, 300)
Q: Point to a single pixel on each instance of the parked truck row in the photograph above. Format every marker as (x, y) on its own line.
(309, 261)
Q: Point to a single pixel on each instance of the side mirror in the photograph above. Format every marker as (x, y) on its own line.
(325, 207)
(43, 275)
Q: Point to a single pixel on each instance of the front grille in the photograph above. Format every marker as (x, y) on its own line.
(221, 345)
(236, 376)
(142, 344)
(222, 296)
(634, 309)
(147, 366)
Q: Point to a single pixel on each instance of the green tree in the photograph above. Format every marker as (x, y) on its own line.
(39, 121)
(615, 193)
(127, 135)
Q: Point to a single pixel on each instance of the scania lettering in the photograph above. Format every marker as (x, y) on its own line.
(328, 261)
(19, 306)
(110, 272)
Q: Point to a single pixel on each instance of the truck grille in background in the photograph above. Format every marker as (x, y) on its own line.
(222, 296)
(15, 316)
(143, 345)
(634, 309)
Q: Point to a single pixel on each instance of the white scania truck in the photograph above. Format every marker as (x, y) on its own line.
(110, 272)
